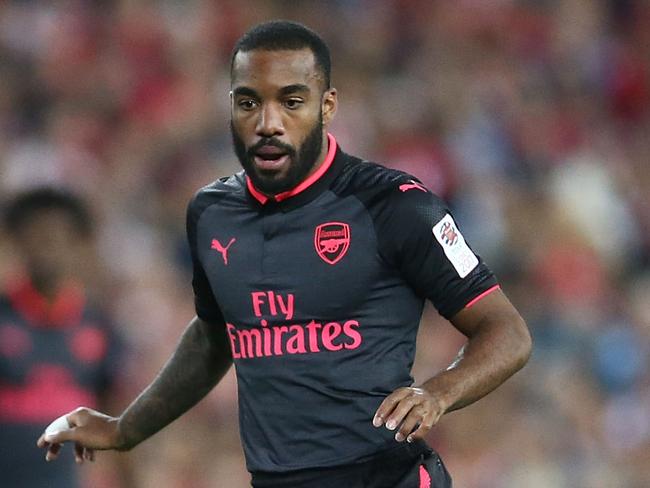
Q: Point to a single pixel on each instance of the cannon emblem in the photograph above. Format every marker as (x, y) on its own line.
(332, 241)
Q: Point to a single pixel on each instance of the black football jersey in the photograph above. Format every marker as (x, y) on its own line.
(321, 291)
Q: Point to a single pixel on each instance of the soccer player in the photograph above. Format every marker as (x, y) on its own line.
(311, 268)
(56, 347)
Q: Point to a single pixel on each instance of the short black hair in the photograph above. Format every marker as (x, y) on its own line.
(23, 207)
(277, 35)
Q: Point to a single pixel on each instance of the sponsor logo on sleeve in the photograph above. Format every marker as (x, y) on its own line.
(454, 246)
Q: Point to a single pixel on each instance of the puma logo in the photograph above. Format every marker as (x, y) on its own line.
(216, 245)
(413, 185)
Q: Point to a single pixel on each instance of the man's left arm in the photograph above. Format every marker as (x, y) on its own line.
(498, 345)
(421, 239)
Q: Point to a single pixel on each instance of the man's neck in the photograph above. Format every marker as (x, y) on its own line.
(321, 157)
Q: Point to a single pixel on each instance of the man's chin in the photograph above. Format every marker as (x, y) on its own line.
(270, 182)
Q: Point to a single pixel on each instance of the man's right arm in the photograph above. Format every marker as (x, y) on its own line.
(200, 360)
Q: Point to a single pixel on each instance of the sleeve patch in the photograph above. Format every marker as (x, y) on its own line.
(453, 244)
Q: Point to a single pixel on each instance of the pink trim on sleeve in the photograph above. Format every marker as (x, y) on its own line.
(425, 479)
(483, 295)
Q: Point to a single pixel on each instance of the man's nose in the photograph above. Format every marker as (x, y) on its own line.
(269, 122)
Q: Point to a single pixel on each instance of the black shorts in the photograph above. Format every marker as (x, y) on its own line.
(407, 466)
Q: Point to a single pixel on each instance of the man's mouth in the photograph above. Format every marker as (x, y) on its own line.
(270, 157)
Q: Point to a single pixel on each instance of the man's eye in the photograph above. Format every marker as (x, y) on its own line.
(293, 103)
(247, 104)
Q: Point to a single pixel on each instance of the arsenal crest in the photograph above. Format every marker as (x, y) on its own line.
(332, 241)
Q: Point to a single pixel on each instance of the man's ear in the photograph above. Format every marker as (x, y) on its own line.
(329, 105)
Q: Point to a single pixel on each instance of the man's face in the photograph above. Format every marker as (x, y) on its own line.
(280, 112)
(50, 246)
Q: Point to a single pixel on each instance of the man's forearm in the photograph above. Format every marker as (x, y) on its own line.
(200, 360)
(490, 357)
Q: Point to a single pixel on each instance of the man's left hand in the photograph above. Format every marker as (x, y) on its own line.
(413, 410)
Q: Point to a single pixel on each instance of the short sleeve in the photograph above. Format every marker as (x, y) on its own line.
(422, 239)
(204, 302)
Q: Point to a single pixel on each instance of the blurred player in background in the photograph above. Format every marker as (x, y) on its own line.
(56, 349)
(311, 268)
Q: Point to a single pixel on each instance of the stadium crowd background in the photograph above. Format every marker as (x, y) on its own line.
(532, 118)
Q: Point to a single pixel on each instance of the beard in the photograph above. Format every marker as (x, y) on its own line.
(301, 160)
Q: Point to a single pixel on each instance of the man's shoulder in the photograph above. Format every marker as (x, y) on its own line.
(233, 186)
(227, 185)
(360, 176)
(372, 182)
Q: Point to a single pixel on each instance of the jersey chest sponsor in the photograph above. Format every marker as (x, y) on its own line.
(285, 336)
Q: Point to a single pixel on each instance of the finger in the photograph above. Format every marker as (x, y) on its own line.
(78, 453)
(88, 454)
(60, 423)
(41, 441)
(400, 411)
(413, 418)
(425, 426)
(388, 405)
(61, 436)
(52, 452)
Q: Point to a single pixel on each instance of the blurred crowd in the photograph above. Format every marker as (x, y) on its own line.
(530, 117)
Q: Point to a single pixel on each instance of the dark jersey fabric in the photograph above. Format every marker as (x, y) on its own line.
(53, 358)
(321, 293)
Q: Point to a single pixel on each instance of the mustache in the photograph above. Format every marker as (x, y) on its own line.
(270, 141)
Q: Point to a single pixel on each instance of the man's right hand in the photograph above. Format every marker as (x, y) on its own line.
(89, 430)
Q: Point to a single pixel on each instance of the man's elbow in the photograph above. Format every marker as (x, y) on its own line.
(522, 343)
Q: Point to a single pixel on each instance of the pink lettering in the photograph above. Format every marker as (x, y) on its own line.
(286, 308)
(249, 338)
(257, 301)
(267, 337)
(312, 327)
(277, 343)
(296, 343)
(274, 311)
(331, 331)
(272, 301)
(353, 334)
(313, 337)
(231, 334)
